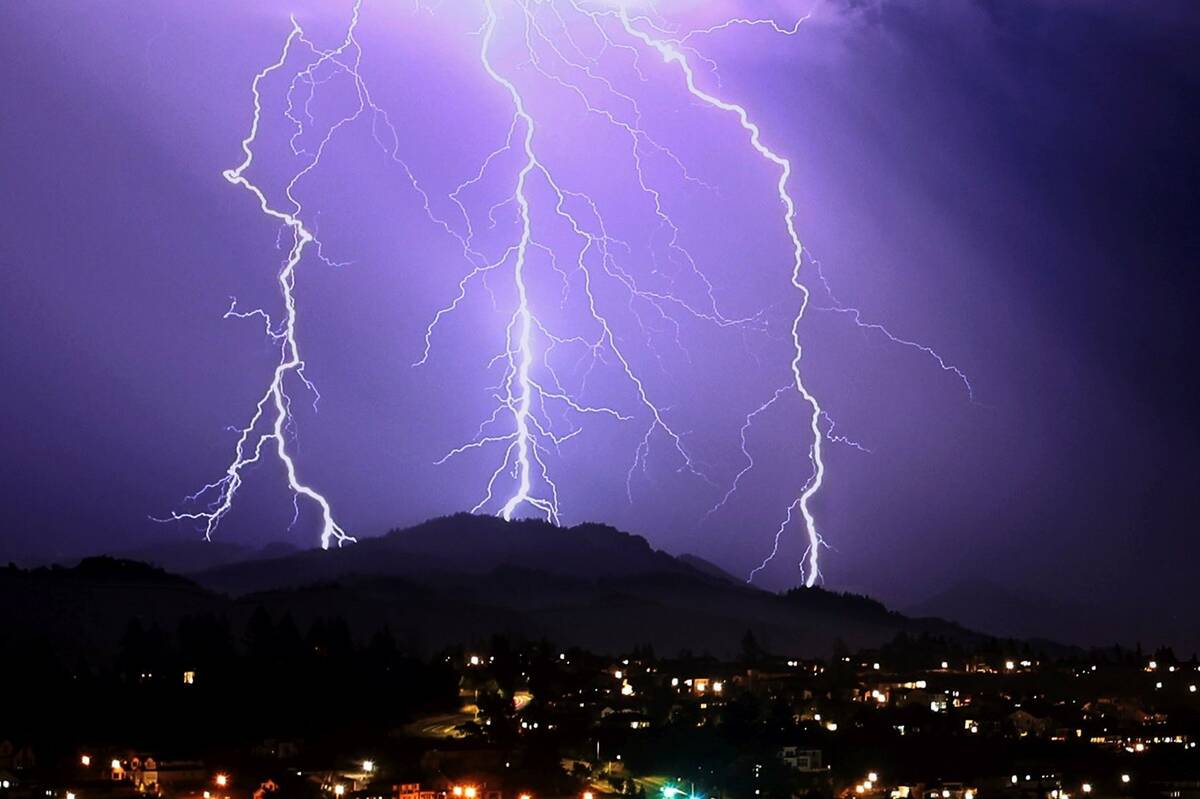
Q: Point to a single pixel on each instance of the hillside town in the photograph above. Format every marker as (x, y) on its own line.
(917, 719)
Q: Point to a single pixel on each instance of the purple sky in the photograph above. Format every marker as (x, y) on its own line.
(1013, 184)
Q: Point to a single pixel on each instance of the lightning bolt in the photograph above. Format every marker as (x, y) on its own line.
(672, 54)
(538, 407)
(521, 360)
(273, 409)
(779, 392)
(858, 320)
(522, 397)
(673, 50)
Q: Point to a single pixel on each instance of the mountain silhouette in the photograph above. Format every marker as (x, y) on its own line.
(1012, 613)
(195, 554)
(458, 580)
(461, 544)
(708, 567)
(591, 585)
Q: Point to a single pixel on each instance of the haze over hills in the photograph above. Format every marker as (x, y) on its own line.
(991, 608)
(440, 553)
(994, 609)
(460, 579)
(195, 554)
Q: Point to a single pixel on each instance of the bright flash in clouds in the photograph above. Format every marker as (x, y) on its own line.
(592, 328)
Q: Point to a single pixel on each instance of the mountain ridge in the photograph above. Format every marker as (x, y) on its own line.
(460, 579)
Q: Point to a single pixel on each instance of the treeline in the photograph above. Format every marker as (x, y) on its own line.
(209, 678)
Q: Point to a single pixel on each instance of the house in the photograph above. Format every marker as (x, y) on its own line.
(803, 760)
(1025, 723)
(443, 789)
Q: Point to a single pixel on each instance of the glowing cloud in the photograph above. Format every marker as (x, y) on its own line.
(534, 410)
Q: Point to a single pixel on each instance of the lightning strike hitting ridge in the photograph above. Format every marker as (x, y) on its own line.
(672, 54)
(536, 409)
(532, 435)
(274, 408)
(521, 362)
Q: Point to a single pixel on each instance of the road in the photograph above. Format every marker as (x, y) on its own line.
(441, 725)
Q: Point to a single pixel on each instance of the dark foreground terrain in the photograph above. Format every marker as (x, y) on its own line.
(449, 581)
(515, 659)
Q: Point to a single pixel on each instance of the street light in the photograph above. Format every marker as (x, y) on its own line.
(369, 766)
(86, 760)
(338, 790)
(222, 780)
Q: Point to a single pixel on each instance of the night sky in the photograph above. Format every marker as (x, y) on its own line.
(1014, 184)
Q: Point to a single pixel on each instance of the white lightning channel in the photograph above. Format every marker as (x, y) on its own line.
(522, 319)
(273, 407)
(671, 54)
(524, 396)
(531, 399)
